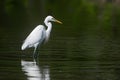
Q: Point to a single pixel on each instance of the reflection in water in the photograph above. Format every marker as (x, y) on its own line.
(34, 72)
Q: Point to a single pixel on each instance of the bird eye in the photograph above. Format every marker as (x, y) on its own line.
(53, 18)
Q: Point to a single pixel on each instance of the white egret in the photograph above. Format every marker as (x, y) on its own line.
(39, 35)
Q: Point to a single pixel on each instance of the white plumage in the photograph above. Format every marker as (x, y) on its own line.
(39, 34)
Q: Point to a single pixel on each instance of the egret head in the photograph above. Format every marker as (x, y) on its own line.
(50, 18)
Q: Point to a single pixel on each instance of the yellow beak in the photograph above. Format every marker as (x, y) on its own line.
(58, 21)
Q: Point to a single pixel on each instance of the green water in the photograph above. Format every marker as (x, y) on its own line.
(66, 58)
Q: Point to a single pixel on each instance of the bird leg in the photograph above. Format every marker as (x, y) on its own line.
(34, 53)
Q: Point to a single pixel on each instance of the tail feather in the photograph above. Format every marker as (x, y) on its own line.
(24, 46)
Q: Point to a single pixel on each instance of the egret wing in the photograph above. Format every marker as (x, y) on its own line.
(36, 36)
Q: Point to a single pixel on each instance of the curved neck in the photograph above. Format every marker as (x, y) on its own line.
(49, 27)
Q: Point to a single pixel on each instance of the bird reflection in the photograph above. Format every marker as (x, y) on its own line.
(34, 72)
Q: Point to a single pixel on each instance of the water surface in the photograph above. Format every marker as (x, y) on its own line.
(66, 58)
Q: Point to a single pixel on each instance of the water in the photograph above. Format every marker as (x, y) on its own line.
(62, 58)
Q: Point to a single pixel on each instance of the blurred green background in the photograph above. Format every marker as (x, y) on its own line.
(79, 17)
